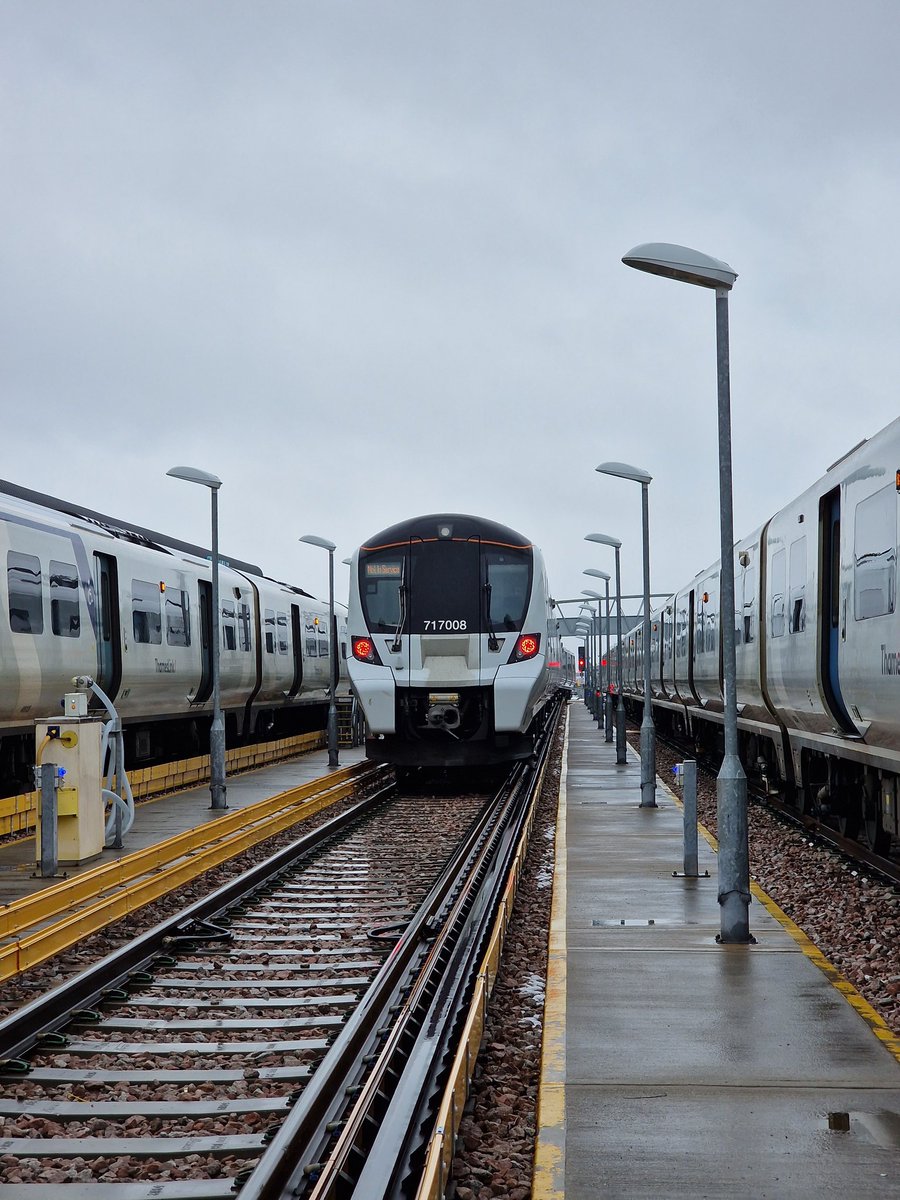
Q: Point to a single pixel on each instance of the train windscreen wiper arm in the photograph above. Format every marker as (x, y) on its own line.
(395, 644)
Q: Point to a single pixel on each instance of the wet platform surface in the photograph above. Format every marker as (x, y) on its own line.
(676, 1067)
(162, 817)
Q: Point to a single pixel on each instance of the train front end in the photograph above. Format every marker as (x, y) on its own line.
(449, 639)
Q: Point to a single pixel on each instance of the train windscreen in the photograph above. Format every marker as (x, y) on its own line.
(445, 587)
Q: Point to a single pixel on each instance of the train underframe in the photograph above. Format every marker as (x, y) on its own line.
(858, 799)
(450, 729)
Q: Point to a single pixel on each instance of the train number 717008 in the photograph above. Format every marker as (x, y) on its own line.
(446, 626)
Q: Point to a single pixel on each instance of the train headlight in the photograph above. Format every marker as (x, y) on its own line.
(527, 647)
(364, 650)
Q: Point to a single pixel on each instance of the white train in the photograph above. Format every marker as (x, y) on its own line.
(455, 649)
(85, 594)
(818, 647)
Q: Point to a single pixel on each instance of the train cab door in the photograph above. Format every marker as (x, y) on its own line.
(832, 618)
(109, 634)
(204, 690)
(296, 650)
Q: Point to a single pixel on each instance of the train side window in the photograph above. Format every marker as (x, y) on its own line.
(323, 643)
(681, 632)
(797, 620)
(145, 615)
(270, 630)
(875, 555)
(779, 573)
(229, 640)
(26, 599)
(243, 619)
(748, 617)
(65, 613)
(711, 642)
(178, 617)
(282, 633)
(699, 630)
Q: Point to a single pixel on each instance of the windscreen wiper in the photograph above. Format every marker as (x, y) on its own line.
(493, 643)
(395, 644)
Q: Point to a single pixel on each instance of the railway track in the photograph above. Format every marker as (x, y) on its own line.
(284, 1036)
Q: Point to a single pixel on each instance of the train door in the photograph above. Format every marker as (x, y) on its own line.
(831, 619)
(109, 639)
(204, 691)
(296, 649)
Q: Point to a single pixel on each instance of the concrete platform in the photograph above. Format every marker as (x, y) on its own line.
(162, 817)
(677, 1067)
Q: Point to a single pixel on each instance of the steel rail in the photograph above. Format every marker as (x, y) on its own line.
(131, 965)
(435, 1174)
(382, 1136)
(109, 892)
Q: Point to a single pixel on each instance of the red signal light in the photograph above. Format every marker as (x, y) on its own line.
(527, 646)
(363, 649)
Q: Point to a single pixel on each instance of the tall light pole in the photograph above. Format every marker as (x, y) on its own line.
(331, 728)
(597, 680)
(605, 540)
(584, 630)
(590, 685)
(217, 729)
(648, 731)
(691, 266)
(607, 698)
(604, 709)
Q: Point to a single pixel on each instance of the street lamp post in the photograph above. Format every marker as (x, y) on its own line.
(648, 731)
(691, 266)
(606, 540)
(584, 630)
(311, 539)
(217, 729)
(591, 677)
(607, 697)
(600, 709)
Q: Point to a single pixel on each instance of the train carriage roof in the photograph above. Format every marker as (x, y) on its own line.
(457, 527)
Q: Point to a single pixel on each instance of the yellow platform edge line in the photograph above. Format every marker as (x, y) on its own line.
(877, 1023)
(549, 1179)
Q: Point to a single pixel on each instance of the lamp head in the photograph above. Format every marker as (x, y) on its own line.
(194, 475)
(588, 592)
(313, 540)
(596, 574)
(624, 471)
(681, 263)
(604, 539)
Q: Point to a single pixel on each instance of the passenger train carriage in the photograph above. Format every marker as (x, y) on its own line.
(817, 633)
(455, 648)
(86, 594)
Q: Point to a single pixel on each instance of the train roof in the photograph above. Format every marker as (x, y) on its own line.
(122, 529)
(457, 527)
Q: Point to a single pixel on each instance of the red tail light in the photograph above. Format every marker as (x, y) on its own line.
(364, 649)
(527, 646)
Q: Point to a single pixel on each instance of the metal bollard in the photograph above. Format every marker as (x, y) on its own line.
(49, 863)
(688, 773)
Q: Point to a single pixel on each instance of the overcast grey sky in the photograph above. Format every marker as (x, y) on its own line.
(363, 262)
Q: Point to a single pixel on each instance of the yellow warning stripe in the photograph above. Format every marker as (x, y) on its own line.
(549, 1178)
(885, 1035)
